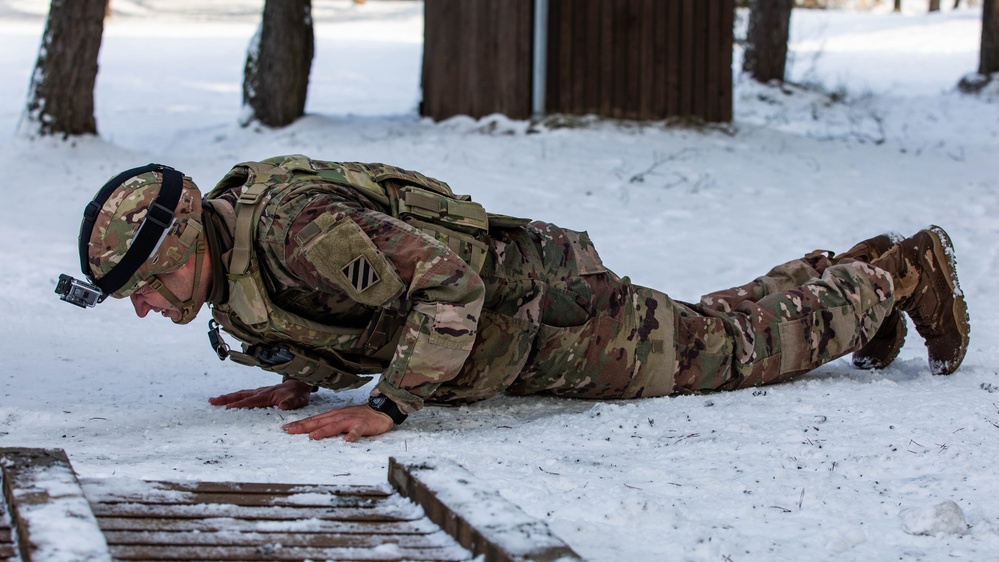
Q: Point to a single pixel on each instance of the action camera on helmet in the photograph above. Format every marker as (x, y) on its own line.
(78, 292)
(159, 216)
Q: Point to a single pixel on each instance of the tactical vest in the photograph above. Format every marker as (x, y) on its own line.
(332, 357)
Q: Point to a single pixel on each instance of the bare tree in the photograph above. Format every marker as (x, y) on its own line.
(61, 94)
(989, 61)
(278, 63)
(766, 40)
(934, 5)
(898, 5)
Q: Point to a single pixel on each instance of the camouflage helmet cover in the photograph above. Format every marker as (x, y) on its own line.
(118, 222)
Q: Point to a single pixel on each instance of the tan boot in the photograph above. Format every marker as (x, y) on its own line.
(886, 344)
(924, 273)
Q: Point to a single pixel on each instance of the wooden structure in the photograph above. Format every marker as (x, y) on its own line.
(477, 58)
(48, 513)
(631, 59)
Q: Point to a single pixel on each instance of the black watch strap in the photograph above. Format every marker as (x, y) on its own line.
(384, 405)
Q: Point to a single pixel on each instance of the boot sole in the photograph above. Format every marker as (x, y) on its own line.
(943, 249)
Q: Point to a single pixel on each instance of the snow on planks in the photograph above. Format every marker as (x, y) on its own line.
(446, 515)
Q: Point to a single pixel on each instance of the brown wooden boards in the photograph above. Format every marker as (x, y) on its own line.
(439, 512)
(8, 548)
(626, 59)
(49, 513)
(231, 521)
(469, 510)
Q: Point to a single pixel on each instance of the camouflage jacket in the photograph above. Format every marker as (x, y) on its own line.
(385, 296)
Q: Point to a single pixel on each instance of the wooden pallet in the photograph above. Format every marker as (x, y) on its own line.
(433, 510)
(8, 549)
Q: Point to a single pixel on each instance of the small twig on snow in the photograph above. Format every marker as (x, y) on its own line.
(656, 162)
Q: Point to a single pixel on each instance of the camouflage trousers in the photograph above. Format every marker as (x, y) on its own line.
(795, 318)
(641, 343)
(557, 321)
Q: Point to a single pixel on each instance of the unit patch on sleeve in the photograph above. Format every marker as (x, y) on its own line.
(344, 255)
(360, 274)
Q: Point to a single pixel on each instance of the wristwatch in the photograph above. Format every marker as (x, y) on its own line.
(384, 405)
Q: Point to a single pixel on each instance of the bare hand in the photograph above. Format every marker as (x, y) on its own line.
(355, 421)
(289, 395)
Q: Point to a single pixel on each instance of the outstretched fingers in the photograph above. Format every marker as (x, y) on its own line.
(231, 398)
(288, 395)
(243, 399)
(353, 422)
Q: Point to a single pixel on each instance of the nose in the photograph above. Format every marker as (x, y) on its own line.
(142, 308)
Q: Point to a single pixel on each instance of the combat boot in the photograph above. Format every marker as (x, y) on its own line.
(924, 273)
(886, 344)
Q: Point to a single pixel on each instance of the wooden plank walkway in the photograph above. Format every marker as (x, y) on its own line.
(219, 521)
(8, 549)
(135, 520)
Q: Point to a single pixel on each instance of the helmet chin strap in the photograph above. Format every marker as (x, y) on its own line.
(188, 308)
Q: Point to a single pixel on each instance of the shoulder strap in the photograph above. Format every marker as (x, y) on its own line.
(246, 212)
(247, 206)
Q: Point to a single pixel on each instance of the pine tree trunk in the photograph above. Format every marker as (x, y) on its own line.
(276, 78)
(61, 95)
(934, 5)
(989, 62)
(766, 40)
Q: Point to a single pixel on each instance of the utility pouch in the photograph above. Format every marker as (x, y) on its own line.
(470, 249)
(300, 364)
(462, 215)
(247, 301)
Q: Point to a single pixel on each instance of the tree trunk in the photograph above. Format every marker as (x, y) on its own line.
(766, 40)
(276, 77)
(898, 5)
(989, 62)
(934, 5)
(61, 94)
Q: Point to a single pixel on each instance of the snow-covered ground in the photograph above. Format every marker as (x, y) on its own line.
(840, 465)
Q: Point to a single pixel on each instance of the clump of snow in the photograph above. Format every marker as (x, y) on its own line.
(105, 489)
(943, 518)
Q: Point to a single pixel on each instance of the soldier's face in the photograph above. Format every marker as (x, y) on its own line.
(146, 299)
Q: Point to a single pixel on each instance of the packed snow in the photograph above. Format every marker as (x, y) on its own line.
(63, 527)
(870, 135)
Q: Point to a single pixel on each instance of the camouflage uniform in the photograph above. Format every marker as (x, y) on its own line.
(540, 314)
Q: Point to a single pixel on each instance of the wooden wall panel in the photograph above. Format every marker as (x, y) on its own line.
(641, 59)
(477, 58)
(629, 59)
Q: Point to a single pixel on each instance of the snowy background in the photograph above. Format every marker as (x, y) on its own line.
(842, 464)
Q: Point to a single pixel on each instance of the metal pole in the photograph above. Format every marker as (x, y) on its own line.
(540, 65)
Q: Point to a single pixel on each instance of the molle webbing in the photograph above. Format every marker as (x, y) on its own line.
(329, 356)
(425, 203)
(326, 368)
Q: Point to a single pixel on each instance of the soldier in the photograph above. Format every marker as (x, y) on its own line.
(330, 272)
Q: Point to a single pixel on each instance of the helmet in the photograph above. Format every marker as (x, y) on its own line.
(154, 211)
